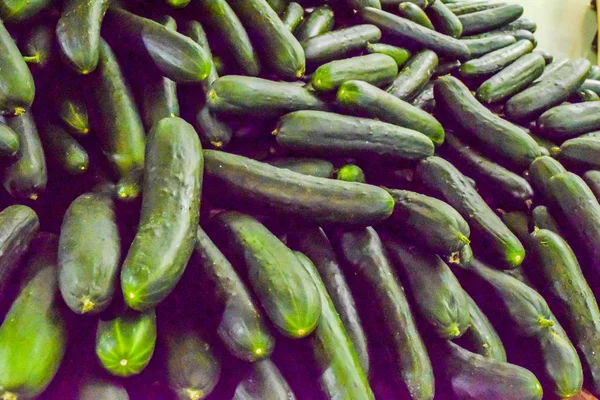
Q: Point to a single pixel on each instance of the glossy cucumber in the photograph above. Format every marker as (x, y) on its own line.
(482, 46)
(263, 382)
(592, 178)
(569, 120)
(468, 7)
(376, 69)
(541, 170)
(415, 75)
(488, 20)
(339, 43)
(9, 141)
(307, 166)
(17, 11)
(425, 100)
(172, 187)
(444, 20)
(496, 60)
(586, 95)
(399, 54)
(318, 22)
(414, 13)
(360, 4)
(542, 219)
(178, 3)
(72, 110)
(581, 152)
(63, 150)
(292, 16)
(351, 173)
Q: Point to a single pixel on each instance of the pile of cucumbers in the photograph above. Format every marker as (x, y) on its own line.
(275, 200)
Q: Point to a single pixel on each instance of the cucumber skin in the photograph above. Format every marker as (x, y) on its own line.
(263, 382)
(306, 166)
(542, 219)
(487, 20)
(496, 60)
(376, 69)
(351, 173)
(9, 141)
(482, 46)
(339, 43)
(569, 120)
(64, 150)
(172, 187)
(461, 8)
(17, 86)
(399, 54)
(415, 75)
(73, 112)
(20, 11)
(444, 20)
(318, 22)
(414, 13)
(592, 178)
(293, 16)
(580, 152)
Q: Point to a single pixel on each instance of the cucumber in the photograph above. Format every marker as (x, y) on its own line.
(27, 177)
(100, 389)
(64, 150)
(16, 11)
(586, 95)
(482, 46)
(285, 289)
(366, 259)
(376, 69)
(492, 236)
(293, 16)
(125, 344)
(38, 46)
(178, 3)
(549, 92)
(244, 95)
(9, 141)
(280, 48)
(468, 7)
(551, 68)
(532, 318)
(339, 43)
(263, 382)
(569, 120)
(78, 33)
(89, 254)
(278, 5)
(518, 222)
(320, 133)
(341, 372)
(581, 152)
(548, 58)
(512, 79)
(241, 326)
(299, 196)
(399, 54)
(172, 187)
(221, 16)
(496, 60)
(488, 20)
(594, 73)
(592, 178)
(360, 4)
(541, 170)
(307, 166)
(425, 100)
(313, 242)
(415, 13)
(16, 83)
(591, 84)
(318, 22)
(72, 111)
(546, 146)
(444, 20)
(351, 173)
(415, 34)
(395, 3)
(542, 219)
(415, 75)
(513, 146)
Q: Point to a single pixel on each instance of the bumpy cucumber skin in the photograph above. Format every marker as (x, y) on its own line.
(496, 60)
(318, 22)
(307, 166)
(415, 75)
(482, 46)
(569, 120)
(580, 152)
(9, 141)
(414, 13)
(263, 382)
(337, 44)
(444, 19)
(169, 219)
(399, 54)
(487, 20)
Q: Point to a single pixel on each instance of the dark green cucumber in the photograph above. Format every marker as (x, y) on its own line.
(367, 260)
(125, 344)
(26, 178)
(505, 187)
(178, 3)
(488, 20)
(541, 170)
(194, 30)
(292, 16)
(549, 92)
(9, 141)
(18, 226)
(415, 13)
(581, 152)
(376, 69)
(553, 66)
(63, 150)
(548, 58)
(38, 46)
(285, 289)
(318, 22)
(399, 54)
(339, 43)
(313, 133)
(33, 336)
(172, 186)
(444, 20)
(241, 326)
(89, 254)
(78, 33)
(425, 100)
(592, 178)
(307, 166)
(72, 111)
(351, 173)
(416, 34)
(482, 46)
(244, 95)
(570, 120)
(428, 222)
(280, 48)
(512, 79)
(299, 196)
(496, 60)
(446, 68)
(532, 318)
(518, 222)
(415, 75)
(278, 5)
(542, 219)
(546, 146)
(263, 382)
(439, 298)
(220, 15)
(490, 234)
(360, 4)
(366, 99)
(468, 7)
(586, 95)
(594, 73)
(495, 135)
(16, 83)
(16, 11)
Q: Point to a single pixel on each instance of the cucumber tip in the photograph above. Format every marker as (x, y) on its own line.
(194, 394)
(19, 111)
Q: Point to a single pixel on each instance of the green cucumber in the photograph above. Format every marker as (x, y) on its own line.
(172, 187)
(241, 326)
(72, 111)
(100, 389)
(415, 75)
(339, 43)
(89, 254)
(280, 48)
(278, 5)
(496, 60)
(548, 58)
(307, 166)
(591, 84)
(553, 66)
(322, 133)
(178, 3)
(245, 95)
(495, 135)
(63, 150)
(569, 120)
(415, 13)
(542, 219)
(546, 146)
(399, 54)
(405, 30)
(512, 79)
(586, 95)
(360, 4)
(38, 46)
(425, 101)
(16, 83)
(285, 289)
(439, 298)
(16, 11)
(444, 20)
(594, 73)
(488, 20)
(541, 170)
(482, 46)
(78, 33)
(26, 178)
(318, 22)
(264, 381)
(592, 178)
(446, 68)
(9, 141)
(125, 344)
(293, 16)
(376, 69)
(490, 234)
(549, 92)
(581, 152)
(518, 222)
(395, 3)
(468, 7)
(33, 336)
(351, 173)
(366, 259)
(299, 196)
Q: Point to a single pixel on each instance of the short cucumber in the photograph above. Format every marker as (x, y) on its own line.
(496, 60)
(488, 20)
(569, 120)
(63, 150)
(263, 382)
(482, 46)
(581, 152)
(415, 75)
(339, 43)
(541, 170)
(399, 54)
(360, 4)
(376, 69)
(318, 22)
(351, 173)
(444, 20)
(592, 178)
(542, 219)
(9, 141)
(308, 166)
(414, 13)
(293, 16)
(17, 11)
